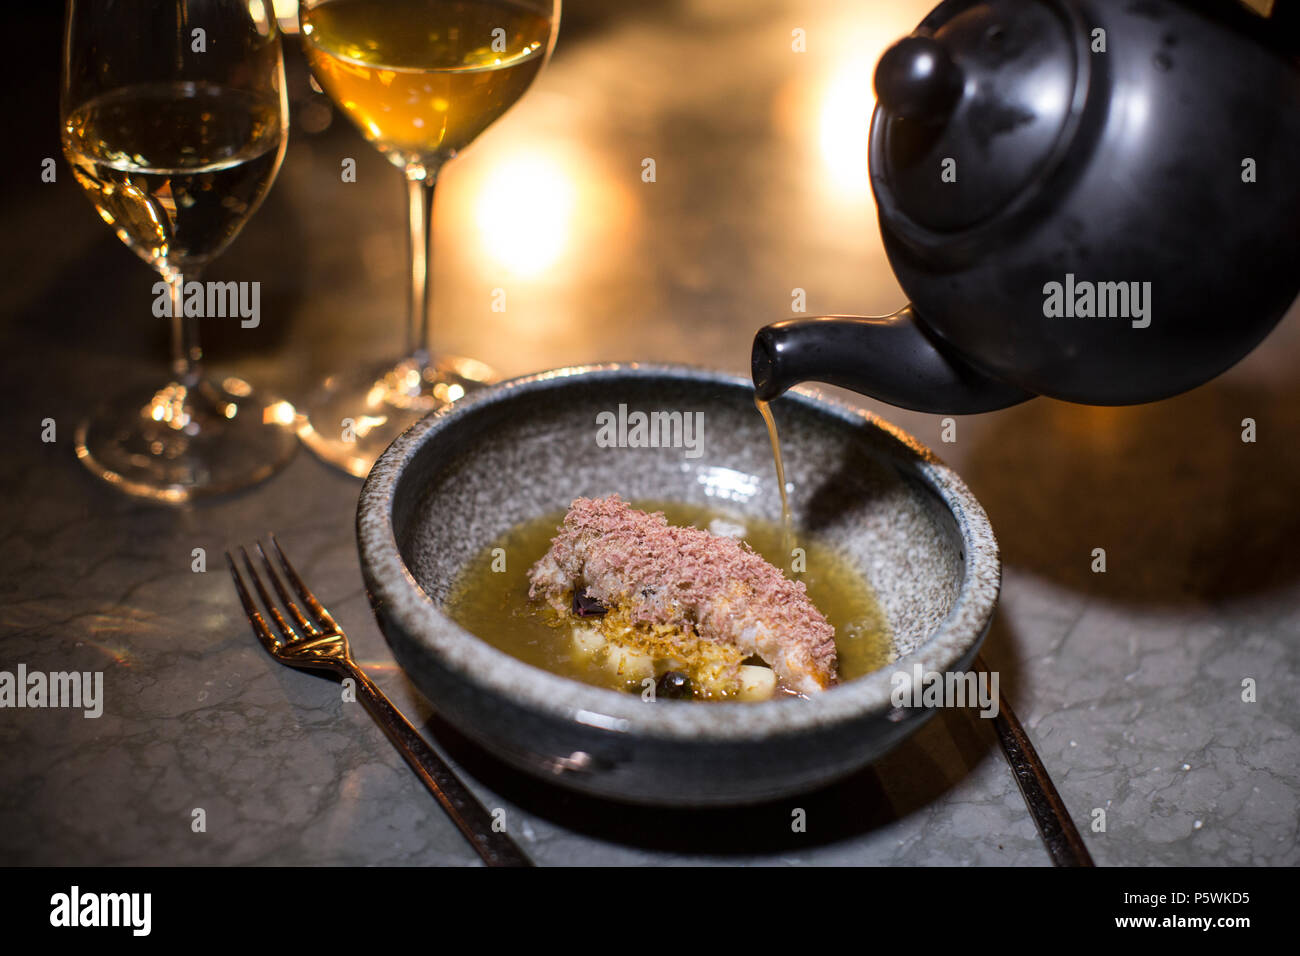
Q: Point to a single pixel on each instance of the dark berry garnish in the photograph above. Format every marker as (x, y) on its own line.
(674, 685)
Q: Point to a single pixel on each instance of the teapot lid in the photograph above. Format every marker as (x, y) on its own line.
(975, 107)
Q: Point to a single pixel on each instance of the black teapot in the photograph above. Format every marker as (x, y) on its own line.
(1093, 200)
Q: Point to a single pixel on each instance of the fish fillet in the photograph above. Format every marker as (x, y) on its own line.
(702, 586)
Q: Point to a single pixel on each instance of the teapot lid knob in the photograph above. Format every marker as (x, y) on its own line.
(993, 88)
(918, 79)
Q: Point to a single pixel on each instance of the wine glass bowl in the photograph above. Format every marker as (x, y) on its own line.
(175, 121)
(420, 79)
(220, 150)
(423, 78)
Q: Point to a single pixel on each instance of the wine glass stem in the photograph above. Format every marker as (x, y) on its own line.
(420, 182)
(186, 354)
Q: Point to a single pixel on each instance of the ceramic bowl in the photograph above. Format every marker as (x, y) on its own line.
(454, 482)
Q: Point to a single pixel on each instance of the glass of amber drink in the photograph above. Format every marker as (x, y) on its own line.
(421, 79)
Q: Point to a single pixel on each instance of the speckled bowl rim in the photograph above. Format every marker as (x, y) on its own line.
(394, 587)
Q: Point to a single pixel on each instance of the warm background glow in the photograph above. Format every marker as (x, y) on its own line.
(525, 207)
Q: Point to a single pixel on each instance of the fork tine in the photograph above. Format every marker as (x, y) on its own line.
(303, 621)
(254, 615)
(286, 630)
(308, 598)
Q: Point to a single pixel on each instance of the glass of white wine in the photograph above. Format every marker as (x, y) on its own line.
(421, 79)
(175, 121)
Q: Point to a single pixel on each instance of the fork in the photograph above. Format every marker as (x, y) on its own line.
(318, 643)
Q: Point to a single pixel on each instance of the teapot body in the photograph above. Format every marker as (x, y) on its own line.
(1151, 244)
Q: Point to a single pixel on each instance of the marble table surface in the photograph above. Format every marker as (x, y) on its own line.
(1130, 682)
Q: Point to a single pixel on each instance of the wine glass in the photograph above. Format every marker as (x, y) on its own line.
(175, 122)
(420, 79)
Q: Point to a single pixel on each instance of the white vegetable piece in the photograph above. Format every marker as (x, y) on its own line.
(587, 641)
(629, 664)
(756, 683)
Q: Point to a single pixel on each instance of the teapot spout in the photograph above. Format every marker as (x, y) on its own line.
(890, 358)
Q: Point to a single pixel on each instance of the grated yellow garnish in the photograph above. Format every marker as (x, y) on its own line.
(714, 669)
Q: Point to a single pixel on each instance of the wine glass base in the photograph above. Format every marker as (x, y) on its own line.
(355, 415)
(178, 443)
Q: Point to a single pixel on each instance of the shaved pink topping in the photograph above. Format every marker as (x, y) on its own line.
(667, 574)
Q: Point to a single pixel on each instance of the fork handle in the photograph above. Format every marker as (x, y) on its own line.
(495, 847)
